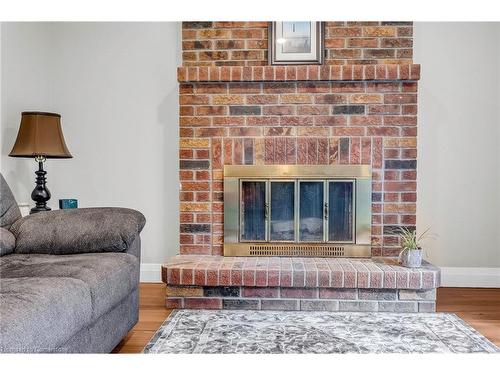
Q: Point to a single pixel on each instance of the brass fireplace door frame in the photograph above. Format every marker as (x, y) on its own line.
(360, 174)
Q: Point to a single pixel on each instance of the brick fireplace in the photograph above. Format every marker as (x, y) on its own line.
(358, 108)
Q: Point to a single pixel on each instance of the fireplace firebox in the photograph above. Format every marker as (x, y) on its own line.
(297, 210)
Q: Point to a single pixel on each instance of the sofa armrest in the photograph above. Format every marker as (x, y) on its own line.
(7, 242)
(81, 230)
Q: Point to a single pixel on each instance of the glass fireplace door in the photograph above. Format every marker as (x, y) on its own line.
(341, 211)
(311, 206)
(297, 211)
(253, 211)
(282, 211)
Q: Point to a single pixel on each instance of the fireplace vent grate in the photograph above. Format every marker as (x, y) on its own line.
(297, 250)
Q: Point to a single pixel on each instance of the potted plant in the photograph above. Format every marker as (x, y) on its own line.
(411, 251)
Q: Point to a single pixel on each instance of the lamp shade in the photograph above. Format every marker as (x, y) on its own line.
(40, 134)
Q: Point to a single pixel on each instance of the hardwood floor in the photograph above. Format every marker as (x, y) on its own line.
(478, 307)
(152, 313)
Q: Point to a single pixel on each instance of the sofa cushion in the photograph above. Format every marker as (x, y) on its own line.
(82, 230)
(39, 314)
(7, 242)
(109, 277)
(9, 210)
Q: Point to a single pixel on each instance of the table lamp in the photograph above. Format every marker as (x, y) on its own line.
(40, 136)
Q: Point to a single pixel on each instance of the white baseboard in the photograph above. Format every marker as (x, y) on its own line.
(150, 273)
(470, 277)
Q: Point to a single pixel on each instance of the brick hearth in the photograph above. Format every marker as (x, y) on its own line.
(360, 107)
(342, 284)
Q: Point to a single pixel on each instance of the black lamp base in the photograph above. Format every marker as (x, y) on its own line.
(34, 210)
(41, 193)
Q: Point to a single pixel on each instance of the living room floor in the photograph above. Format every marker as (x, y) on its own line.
(480, 307)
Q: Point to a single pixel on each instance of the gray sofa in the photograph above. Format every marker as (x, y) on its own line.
(68, 278)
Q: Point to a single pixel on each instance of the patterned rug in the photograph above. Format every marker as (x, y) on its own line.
(205, 331)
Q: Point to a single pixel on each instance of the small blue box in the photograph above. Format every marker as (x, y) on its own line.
(68, 203)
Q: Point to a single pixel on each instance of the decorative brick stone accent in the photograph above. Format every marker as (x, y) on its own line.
(358, 306)
(378, 294)
(269, 292)
(417, 295)
(245, 44)
(315, 305)
(202, 303)
(331, 293)
(184, 291)
(241, 304)
(221, 291)
(427, 306)
(280, 304)
(401, 306)
(299, 293)
(174, 303)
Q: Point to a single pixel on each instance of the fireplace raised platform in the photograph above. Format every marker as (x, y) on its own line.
(272, 283)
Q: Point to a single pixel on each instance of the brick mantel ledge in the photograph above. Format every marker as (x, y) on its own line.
(293, 73)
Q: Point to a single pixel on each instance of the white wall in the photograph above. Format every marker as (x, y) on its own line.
(25, 85)
(116, 89)
(459, 142)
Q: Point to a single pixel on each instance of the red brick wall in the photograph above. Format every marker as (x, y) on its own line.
(296, 123)
(334, 115)
(245, 43)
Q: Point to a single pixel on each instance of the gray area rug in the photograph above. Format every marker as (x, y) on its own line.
(209, 331)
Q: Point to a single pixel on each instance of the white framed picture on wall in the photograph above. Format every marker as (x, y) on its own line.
(293, 43)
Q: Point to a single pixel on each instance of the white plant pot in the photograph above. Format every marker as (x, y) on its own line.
(411, 258)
